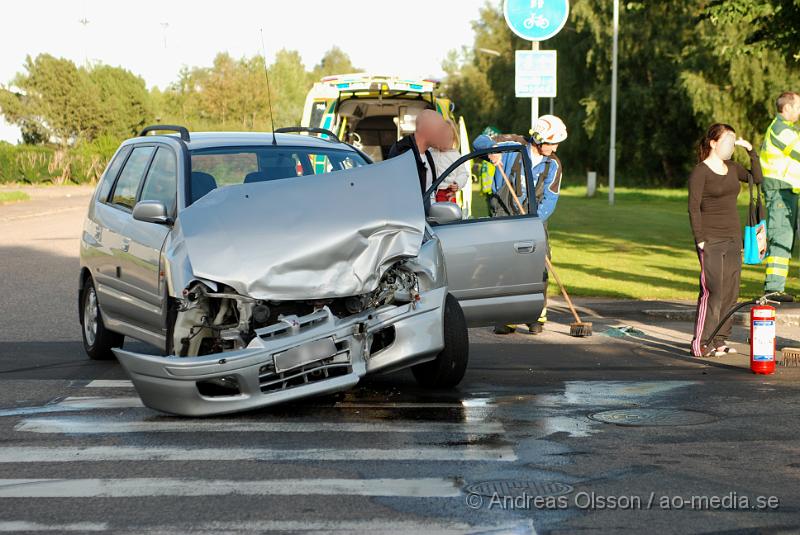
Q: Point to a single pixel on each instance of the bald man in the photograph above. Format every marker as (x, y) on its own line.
(428, 130)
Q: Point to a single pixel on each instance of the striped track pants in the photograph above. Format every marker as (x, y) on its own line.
(720, 269)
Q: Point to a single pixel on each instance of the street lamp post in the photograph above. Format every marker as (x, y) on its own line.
(612, 150)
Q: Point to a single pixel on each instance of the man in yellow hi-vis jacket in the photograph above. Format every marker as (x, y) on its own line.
(780, 163)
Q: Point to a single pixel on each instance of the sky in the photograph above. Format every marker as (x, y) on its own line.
(154, 39)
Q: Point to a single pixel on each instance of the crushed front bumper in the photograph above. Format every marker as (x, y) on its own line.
(299, 357)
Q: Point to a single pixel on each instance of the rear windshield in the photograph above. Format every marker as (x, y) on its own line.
(219, 167)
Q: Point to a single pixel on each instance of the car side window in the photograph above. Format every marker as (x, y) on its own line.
(128, 182)
(161, 182)
(111, 174)
(493, 186)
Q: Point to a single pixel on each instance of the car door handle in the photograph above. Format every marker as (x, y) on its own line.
(126, 244)
(525, 247)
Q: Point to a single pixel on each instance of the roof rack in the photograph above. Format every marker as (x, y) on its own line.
(309, 130)
(184, 132)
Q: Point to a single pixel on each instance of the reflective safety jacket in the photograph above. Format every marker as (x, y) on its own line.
(486, 177)
(780, 154)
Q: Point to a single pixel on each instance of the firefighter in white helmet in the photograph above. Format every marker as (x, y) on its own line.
(543, 142)
(548, 132)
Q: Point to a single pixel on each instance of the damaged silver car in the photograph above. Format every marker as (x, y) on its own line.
(269, 267)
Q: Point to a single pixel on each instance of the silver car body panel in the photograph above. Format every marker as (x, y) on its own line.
(169, 384)
(310, 237)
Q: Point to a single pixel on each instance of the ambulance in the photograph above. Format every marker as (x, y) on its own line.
(373, 111)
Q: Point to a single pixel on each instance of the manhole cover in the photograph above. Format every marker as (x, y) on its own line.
(652, 417)
(510, 487)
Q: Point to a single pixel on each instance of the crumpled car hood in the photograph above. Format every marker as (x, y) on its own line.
(311, 237)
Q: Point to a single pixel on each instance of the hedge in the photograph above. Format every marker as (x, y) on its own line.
(37, 164)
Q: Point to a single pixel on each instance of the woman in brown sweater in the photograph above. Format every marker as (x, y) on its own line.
(713, 187)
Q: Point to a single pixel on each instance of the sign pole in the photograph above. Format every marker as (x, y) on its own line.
(612, 150)
(534, 100)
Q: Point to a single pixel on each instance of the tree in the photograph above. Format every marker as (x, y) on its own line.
(335, 61)
(657, 124)
(54, 100)
(290, 84)
(682, 65)
(57, 101)
(125, 104)
(740, 63)
(766, 24)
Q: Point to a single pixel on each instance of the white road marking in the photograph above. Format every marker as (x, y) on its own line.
(92, 402)
(20, 526)
(137, 487)
(28, 454)
(474, 409)
(110, 383)
(373, 527)
(88, 425)
(95, 402)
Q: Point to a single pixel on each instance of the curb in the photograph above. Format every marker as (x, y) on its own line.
(791, 319)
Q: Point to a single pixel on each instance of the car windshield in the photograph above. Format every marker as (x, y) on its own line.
(226, 166)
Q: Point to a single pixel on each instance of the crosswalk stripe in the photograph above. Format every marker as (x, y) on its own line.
(21, 526)
(138, 487)
(473, 408)
(31, 454)
(89, 425)
(95, 402)
(91, 402)
(76, 404)
(110, 383)
(372, 526)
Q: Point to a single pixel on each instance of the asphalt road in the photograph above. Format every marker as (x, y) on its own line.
(517, 448)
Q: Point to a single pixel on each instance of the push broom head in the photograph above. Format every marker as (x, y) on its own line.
(791, 357)
(580, 329)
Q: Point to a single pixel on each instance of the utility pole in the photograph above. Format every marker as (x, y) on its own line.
(85, 23)
(612, 150)
(164, 26)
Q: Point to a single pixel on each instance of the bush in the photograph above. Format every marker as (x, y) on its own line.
(34, 164)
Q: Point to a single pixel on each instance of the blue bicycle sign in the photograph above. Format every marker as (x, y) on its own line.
(536, 20)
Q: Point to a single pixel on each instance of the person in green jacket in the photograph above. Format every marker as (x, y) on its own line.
(780, 163)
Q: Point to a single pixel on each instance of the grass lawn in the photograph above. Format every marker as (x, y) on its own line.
(641, 248)
(13, 196)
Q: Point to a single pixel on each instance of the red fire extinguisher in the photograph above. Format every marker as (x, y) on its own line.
(762, 339)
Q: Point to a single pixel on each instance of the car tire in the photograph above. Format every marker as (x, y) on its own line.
(97, 340)
(450, 365)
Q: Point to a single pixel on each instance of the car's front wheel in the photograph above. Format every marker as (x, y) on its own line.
(450, 365)
(97, 340)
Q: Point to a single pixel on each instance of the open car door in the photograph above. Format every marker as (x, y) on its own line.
(495, 258)
(466, 191)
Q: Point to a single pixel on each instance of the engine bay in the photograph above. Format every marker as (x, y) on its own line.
(205, 321)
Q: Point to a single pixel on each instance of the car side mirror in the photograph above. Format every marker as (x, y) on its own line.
(152, 212)
(441, 213)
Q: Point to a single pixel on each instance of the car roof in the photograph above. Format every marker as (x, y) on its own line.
(207, 140)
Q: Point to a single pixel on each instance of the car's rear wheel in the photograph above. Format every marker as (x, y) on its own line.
(97, 340)
(450, 365)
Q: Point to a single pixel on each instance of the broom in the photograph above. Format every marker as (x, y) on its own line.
(579, 329)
